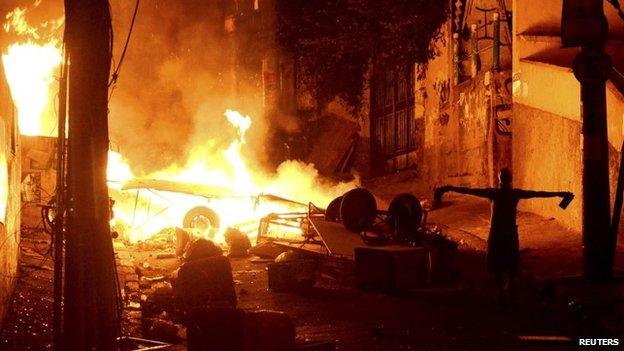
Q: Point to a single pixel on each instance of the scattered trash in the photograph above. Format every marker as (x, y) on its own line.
(165, 330)
(291, 273)
(201, 249)
(165, 255)
(261, 260)
(153, 279)
(266, 250)
(206, 282)
(288, 256)
(133, 305)
(158, 299)
(182, 240)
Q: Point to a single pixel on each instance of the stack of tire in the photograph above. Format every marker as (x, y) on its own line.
(357, 210)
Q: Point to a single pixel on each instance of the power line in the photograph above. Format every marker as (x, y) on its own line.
(115, 75)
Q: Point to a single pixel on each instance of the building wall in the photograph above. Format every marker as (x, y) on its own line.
(547, 140)
(38, 175)
(461, 143)
(547, 156)
(9, 181)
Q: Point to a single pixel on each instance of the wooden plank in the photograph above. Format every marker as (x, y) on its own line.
(333, 138)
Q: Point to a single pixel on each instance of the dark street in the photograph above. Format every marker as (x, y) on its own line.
(319, 175)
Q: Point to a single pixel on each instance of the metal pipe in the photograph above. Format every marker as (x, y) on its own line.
(456, 70)
(617, 206)
(496, 44)
(474, 65)
(57, 321)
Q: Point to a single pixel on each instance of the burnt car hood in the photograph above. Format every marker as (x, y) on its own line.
(207, 191)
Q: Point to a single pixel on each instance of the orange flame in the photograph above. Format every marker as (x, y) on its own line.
(30, 66)
(29, 69)
(152, 211)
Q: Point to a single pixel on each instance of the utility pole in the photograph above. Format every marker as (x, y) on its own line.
(584, 24)
(90, 315)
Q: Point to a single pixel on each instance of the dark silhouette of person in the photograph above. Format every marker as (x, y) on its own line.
(503, 248)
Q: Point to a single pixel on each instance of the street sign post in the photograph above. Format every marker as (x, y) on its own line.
(584, 24)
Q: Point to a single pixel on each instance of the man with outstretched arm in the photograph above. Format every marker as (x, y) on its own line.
(503, 248)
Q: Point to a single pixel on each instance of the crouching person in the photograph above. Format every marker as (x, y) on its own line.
(205, 292)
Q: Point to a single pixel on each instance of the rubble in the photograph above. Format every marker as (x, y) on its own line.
(200, 249)
(237, 242)
(182, 241)
(159, 298)
(291, 272)
(205, 282)
(266, 250)
(166, 330)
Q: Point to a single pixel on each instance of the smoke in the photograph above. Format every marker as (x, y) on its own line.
(176, 82)
(181, 72)
(309, 185)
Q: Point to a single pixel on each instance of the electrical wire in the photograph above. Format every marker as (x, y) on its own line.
(116, 71)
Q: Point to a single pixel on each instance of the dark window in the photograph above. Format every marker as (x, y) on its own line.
(392, 112)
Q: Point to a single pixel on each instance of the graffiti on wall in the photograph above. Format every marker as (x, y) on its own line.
(503, 107)
(443, 88)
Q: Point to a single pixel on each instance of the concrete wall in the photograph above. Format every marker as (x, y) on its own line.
(38, 175)
(460, 145)
(457, 148)
(547, 156)
(545, 17)
(547, 140)
(9, 182)
(544, 126)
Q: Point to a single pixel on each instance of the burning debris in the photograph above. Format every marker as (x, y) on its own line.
(230, 195)
(213, 214)
(31, 64)
(227, 167)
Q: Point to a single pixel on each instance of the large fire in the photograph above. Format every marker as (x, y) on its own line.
(30, 68)
(149, 211)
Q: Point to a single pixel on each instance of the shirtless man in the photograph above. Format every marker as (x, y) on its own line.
(503, 249)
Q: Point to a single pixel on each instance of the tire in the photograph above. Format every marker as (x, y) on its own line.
(200, 216)
(358, 210)
(405, 215)
(332, 213)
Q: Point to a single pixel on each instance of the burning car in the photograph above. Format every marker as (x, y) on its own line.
(146, 206)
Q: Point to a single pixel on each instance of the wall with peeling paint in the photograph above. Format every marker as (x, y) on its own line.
(9, 181)
(466, 125)
(467, 140)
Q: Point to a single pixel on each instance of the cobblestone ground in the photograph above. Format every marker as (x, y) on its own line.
(463, 317)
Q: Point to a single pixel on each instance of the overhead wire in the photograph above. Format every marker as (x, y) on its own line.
(115, 75)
